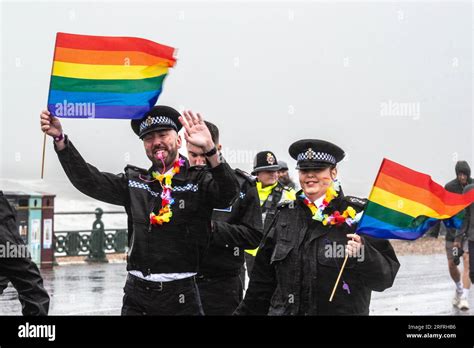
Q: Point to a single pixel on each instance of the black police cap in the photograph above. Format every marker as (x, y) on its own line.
(159, 117)
(315, 154)
(265, 160)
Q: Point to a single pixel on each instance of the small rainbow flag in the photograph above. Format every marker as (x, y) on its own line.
(404, 204)
(106, 77)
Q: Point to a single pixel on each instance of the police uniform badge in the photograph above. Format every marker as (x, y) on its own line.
(149, 121)
(310, 154)
(270, 158)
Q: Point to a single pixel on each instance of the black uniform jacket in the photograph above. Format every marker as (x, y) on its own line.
(300, 258)
(235, 228)
(174, 247)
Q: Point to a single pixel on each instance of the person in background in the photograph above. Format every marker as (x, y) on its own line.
(466, 235)
(284, 176)
(221, 277)
(459, 250)
(270, 192)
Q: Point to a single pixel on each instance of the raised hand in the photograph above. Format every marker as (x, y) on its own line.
(196, 131)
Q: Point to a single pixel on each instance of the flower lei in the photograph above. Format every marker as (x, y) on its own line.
(165, 213)
(348, 216)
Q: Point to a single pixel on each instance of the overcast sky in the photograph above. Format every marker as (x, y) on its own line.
(379, 79)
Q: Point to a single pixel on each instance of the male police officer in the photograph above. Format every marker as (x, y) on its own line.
(270, 191)
(234, 229)
(20, 270)
(284, 176)
(169, 207)
(300, 258)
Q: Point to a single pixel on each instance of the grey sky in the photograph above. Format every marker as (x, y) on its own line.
(267, 73)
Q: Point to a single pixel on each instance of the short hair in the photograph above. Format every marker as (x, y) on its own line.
(214, 131)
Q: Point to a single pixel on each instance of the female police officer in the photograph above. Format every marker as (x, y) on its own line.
(300, 258)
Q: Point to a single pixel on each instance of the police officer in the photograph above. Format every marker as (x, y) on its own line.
(300, 258)
(169, 207)
(234, 229)
(270, 192)
(284, 176)
(20, 270)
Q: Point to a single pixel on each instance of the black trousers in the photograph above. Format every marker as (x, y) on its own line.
(26, 279)
(220, 296)
(178, 297)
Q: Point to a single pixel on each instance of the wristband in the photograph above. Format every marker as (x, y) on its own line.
(59, 138)
(211, 152)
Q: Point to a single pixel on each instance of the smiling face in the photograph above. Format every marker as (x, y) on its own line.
(163, 143)
(315, 182)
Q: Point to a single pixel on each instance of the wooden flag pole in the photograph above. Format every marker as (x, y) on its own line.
(49, 94)
(338, 277)
(44, 151)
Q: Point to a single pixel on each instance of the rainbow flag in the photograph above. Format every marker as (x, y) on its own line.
(404, 204)
(106, 77)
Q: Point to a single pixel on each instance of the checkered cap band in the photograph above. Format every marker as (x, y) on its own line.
(157, 120)
(316, 156)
